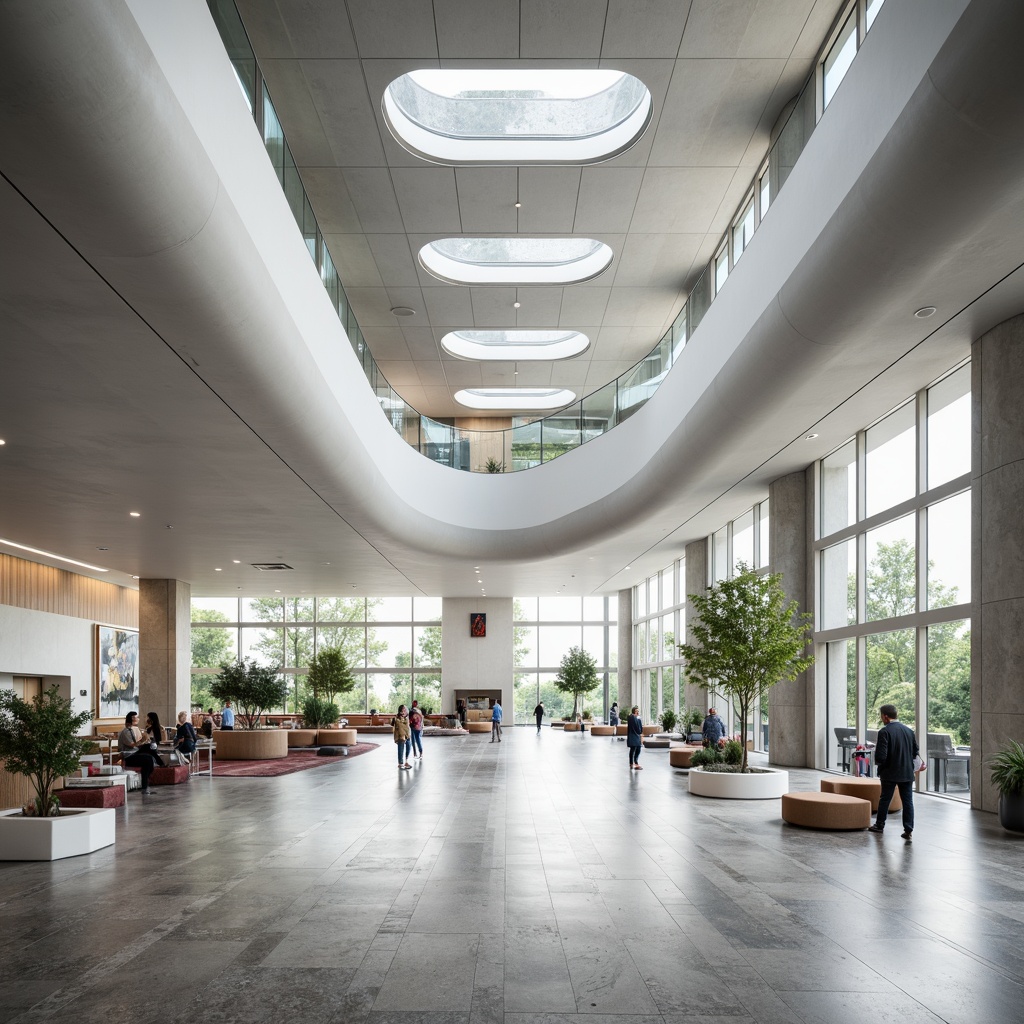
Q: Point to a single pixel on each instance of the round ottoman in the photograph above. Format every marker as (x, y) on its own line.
(572, 727)
(865, 788)
(337, 737)
(679, 757)
(656, 744)
(301, 737)
(831, 811)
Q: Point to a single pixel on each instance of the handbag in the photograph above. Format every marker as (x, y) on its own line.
(919, 765)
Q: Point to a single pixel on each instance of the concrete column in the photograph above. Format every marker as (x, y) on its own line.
(696, 582)
(997, 550)
(165, 648)
(474, 662)
(791, 704)
(625, 659)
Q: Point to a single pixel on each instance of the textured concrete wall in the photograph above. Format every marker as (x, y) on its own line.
(625, 662)
(165, 648)
(695, 583)
(468, 662)
(791, 704)
(997, 550)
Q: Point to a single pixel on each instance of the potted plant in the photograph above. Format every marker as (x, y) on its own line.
(668, 719)
(746, 639)
(1008, 776)
(577, 675)
(254, 688)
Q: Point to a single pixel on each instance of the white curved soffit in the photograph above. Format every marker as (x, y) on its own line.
(522, 116)
(519, 346)
(525, 399)
(515, 261)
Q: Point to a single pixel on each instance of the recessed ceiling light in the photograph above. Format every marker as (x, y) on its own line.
(924, 312)
(101, 548)
(218, 570)
(810, 437)
(237, 561)
(517, 205)
(135, 577)
(2, 441)
(277, 591)
(516, 305)
(135, 515)
(403, 311)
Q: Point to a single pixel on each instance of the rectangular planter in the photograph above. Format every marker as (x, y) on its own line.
(72, 834)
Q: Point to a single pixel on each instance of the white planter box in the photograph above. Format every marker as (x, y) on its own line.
(729, 786)
(75, 832)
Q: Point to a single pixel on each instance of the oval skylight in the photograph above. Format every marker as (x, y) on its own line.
(525, 116)
(515, 261)
(532, 399)
(515, 345)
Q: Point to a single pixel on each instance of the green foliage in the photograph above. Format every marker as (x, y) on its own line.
(746, 639)
(38, 739)
(319, 712)
(1008, 769)
(329, 673)
(732, 753)
(668, 719)
(702, 758)
(492, 465)
(210, 646)
(253, 687)
(577, 675)
(693, 716)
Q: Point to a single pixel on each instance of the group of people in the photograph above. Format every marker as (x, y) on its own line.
(407, 727)
(141, 748)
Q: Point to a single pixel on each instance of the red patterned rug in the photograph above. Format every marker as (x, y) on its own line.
(296, 761)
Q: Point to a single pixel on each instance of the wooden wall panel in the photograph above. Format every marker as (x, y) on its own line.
(43, 588)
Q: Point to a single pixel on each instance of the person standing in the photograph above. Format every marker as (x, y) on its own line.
(496, 722)
(895, 751)
(613, 713)
(538, 713)
(460, 711)
(400, 729)
(634, 738)
(227, 717)
(713, 729)
(416, 728)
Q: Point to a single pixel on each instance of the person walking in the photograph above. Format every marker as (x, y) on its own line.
(227, 716)
(895, 751)
(496, 722)
(538, 713)
(713, 729)
(634, 738)
(400, 729)
(416, 728)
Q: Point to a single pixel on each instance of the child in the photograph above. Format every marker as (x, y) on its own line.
(861, 761)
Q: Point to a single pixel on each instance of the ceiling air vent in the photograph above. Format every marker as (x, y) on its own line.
(270, 566)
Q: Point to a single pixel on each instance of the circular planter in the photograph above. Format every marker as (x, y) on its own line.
(254, 745)
(1011, 812)
(767, 784)
(69, 835)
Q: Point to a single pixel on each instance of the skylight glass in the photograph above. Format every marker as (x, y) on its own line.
(516, 345)
(534, 116)
(515, 261)
(523, 399)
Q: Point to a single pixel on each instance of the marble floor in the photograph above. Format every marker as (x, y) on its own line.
(538, 881)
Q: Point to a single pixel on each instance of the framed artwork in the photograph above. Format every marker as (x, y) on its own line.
(478, 624)
(117, 671)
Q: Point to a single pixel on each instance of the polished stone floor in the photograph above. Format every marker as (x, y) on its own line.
(537, 881)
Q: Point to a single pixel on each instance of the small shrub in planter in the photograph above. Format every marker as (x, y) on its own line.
(705, 758)
(669, 720)
(732, 752)
(319, 713)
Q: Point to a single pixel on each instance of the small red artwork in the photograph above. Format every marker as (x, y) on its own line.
(478, 624)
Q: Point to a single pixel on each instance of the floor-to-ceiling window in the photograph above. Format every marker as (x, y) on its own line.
(894, 574)
(544, 629)
(393, 644)
(658, 627)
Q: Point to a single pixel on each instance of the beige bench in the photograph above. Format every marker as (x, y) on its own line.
(865, 788)
(831, 811)
(679, 757)
(602, 730)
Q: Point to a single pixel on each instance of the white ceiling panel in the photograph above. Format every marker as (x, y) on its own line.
(397, 264)
(430, 371)
(354, 261)
(641, 307)
(680, 199)
(823, 15)
(449, 306)
(644, 28)
(289, 92)
(607, 197)
(549, 196)
(583, 306)
(373, 197)
(655, 259)
(487, 197)
(339, 93)
(422, 340)
(311, 29)
(486, 29)
(427, 198)
(390, 343)
(328, 193)
(393, 28)
(372, 307)
(539, 307)
(399, 373)
(492, 307)
(563, 30)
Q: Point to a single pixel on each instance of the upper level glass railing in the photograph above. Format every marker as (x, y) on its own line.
(528, 444)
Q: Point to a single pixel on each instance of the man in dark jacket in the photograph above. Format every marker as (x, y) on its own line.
(894, 758)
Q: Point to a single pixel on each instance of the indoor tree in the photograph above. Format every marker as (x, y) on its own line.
(327, 676)
(746, 638)
(253, 687)
(577, 675)
(39, 739)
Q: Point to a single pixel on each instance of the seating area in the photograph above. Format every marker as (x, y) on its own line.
(833, 812)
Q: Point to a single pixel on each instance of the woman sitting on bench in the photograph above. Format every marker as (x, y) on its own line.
(133, 744)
